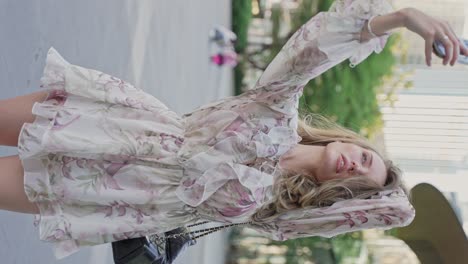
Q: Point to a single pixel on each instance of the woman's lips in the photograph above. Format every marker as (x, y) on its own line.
(341, 164)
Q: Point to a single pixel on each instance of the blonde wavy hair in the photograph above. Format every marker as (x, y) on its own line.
(294, 190)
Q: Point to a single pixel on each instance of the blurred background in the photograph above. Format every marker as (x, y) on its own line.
(416, 114)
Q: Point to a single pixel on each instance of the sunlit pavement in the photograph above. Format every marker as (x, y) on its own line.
(160, 46)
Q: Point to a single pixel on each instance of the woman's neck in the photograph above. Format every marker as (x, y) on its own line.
(303, 159)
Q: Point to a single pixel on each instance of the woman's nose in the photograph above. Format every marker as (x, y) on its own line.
(353, 167)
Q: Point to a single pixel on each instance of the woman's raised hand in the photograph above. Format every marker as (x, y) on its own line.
(431, 30)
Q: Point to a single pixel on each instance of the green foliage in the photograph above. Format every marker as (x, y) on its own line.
(321, 249)
(276, 13)
(239, 72)
(241, 16)
(339, 249)
(345, 95)
(347, 245)
(301, 250)
(348, 95)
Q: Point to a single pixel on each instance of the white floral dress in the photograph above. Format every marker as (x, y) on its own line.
(105, 161)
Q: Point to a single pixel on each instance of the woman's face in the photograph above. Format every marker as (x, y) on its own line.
(342, 160)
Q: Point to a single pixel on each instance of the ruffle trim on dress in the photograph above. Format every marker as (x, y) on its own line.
(344, 23)
(195, 190)
(54, 70)
(34, 147)
(207, 171)
(52, 223)
(96, 85)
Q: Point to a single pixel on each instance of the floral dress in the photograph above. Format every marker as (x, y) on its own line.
(105, 161)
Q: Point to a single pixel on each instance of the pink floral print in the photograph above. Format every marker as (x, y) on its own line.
(105, 161)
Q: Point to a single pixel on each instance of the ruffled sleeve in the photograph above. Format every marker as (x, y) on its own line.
(386, 210)
(324, 41)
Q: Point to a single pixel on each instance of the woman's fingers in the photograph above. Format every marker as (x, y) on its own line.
(456, 49)
(448, 49)
(429, 43)
(463, 48)
(434, 30)
(455, 42)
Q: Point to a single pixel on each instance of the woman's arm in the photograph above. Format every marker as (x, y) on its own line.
(388, 209)
(324, 41)
(381, 25)
(341, 33)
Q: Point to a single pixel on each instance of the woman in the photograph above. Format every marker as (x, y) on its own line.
(104, 161)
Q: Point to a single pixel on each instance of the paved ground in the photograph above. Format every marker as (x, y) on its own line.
(160, 46)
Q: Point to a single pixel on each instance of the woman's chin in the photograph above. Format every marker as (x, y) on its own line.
(325, 176)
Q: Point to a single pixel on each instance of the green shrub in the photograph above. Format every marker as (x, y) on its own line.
(241, 17)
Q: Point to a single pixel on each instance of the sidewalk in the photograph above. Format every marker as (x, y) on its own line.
(160, 46)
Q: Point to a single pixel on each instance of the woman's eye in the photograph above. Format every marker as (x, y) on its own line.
(364, 158)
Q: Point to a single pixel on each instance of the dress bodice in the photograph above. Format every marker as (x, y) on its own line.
(230, 155)
(232, 146)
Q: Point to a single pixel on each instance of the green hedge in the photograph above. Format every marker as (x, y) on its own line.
(241, 17)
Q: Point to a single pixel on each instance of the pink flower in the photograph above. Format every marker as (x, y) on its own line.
(385, 218)
(60, 96)
(115, 167)
(308, 58)
(56, 235)
(361, 216)
(67, 159)
(81, 163)
(110, 182)
(115, 82)
(121, 209)
(233, 211)
(66, 172)
(235, 125)
(58, 126)
(139, 214)
(107, 210)
(348, 221)
(188, 182)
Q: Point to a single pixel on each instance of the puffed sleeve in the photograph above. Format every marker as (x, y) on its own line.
(385, 210)
(324, 41)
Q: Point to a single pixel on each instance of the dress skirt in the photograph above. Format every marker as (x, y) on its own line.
(100, 160)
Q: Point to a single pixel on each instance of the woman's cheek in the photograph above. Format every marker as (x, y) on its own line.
(330, 162)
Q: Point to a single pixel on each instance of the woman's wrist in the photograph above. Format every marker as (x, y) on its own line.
(404, 13)
(383, 24)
